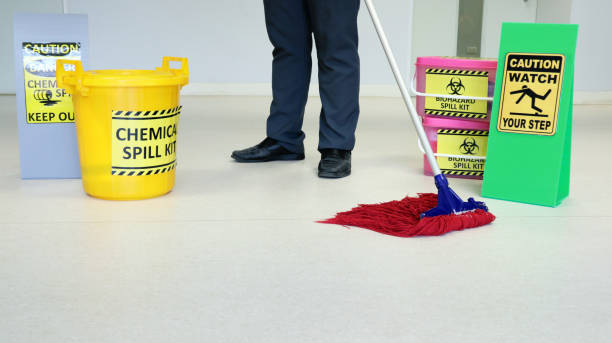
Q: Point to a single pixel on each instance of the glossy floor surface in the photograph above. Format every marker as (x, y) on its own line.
(233, 254)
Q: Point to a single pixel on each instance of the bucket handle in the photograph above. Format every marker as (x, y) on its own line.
(70, 79)
(182, 71)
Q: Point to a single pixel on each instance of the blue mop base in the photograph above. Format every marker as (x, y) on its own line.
(450, 203)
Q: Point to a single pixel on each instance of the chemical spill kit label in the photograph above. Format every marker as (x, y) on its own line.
(45, 103)
(468, 143)
(456, 82)
(530, 94)
(144, 142)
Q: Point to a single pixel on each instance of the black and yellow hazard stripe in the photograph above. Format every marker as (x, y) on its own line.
(157, 114)
(143, 171)
(456, 114)
(463, 132)
(462, 172)
(456, 72)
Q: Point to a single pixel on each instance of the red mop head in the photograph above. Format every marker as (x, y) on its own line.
(403, 218)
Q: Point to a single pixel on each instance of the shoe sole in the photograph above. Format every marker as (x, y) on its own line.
(338, 175)
(285, 157)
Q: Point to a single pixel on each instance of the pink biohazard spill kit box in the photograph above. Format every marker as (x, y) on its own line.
(455, 77)
(453, 100)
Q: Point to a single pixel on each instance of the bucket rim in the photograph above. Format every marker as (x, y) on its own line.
(131, 77)
(71, 76)
(456, 62)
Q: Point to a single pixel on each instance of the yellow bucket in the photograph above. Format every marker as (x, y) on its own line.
(126, 122)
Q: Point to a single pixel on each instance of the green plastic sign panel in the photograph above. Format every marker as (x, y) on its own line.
(530, 138)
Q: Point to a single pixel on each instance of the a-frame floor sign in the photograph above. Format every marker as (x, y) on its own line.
(530, 138)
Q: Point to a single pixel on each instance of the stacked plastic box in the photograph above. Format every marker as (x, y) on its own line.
(452, 100)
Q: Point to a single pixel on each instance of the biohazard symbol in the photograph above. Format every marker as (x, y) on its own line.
(469, 146)
(455, 86)
(533, 95)
(45, 97)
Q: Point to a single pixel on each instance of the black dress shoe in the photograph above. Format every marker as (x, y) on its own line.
(335, 163)
(266, 151)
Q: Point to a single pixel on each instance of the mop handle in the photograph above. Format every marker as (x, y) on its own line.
(402, 86)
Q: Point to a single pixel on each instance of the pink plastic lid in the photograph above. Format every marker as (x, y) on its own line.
(457, 62)
(458, 124)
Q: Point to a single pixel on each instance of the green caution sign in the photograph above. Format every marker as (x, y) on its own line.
(529, 148)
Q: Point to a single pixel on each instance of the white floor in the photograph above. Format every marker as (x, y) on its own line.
(233, 253)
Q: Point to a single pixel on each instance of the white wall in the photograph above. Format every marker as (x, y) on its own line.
(594, 49)
(435, 25)
(7, 9)
(225, 41)
(435, 28)
(498, 11)
(554, 11)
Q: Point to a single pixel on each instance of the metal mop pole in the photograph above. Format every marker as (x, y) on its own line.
(448, 201)
(400, 82)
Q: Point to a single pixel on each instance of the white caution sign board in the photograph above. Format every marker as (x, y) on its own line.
(45, 117)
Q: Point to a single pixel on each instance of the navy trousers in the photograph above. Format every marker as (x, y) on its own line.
(291, 26)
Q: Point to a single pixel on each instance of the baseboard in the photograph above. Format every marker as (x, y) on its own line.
(261, 89)
(592, 98)
(265, 89)
(252, 89)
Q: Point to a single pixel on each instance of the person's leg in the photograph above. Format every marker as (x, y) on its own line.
(334, 24)
(289, 31)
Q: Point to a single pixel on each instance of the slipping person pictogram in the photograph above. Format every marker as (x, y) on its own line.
(526, 91)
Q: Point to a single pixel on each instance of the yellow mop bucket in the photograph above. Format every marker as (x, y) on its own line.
(126, 122)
